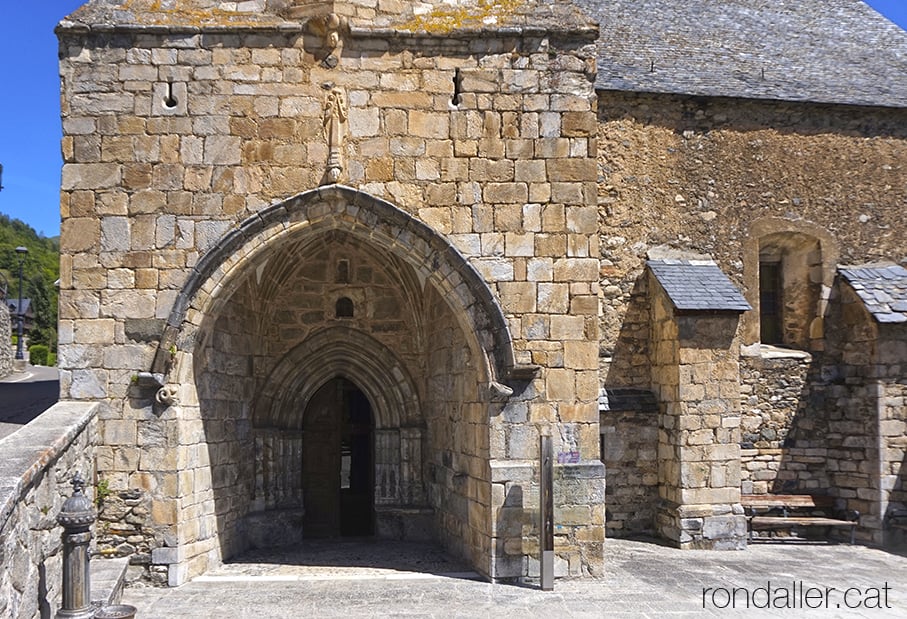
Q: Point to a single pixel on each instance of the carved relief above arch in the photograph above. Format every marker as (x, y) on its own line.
(380, 223)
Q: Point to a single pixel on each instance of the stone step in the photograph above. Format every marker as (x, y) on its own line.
(108, 577)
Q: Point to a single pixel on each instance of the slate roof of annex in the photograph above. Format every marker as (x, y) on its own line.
(882, 288)
(824, 51)
(697, 285)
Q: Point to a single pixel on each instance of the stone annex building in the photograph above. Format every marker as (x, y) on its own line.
(331, 267)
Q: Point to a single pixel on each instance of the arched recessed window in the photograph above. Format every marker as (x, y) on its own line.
(790, 289)
(343, 308)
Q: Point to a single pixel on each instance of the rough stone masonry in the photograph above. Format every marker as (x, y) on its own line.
(330, 268)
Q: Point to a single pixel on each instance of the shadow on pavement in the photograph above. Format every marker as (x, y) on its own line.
(22, 402)
(326, 556)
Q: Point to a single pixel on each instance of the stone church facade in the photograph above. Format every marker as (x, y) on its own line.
(332, 268)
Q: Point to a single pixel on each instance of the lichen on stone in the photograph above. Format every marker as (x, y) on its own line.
(196, 13)
(444, 20)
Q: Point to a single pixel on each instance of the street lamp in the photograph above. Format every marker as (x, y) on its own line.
(22, 251)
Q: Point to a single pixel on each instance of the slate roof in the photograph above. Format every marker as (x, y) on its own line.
(828, 51)
(698, 285)
(882, 288)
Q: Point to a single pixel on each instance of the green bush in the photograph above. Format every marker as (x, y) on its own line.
(37, 354)
(51, 359)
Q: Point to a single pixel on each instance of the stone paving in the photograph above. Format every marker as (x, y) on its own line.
(643, 579)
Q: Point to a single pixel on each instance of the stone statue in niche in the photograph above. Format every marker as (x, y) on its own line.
(335, 115)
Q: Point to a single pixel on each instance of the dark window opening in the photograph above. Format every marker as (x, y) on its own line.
(456, 99)
(344, 308)
(170, 101)
(770, 299)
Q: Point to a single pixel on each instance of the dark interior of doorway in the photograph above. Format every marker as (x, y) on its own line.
(338, 462)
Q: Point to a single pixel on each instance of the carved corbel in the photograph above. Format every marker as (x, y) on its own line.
(498, 392)
(168, 395)
(330, 28)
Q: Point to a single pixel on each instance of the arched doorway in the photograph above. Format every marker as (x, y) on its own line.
(256, 332)
(338, 467)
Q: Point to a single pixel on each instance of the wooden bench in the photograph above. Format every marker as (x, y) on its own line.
(788, 511)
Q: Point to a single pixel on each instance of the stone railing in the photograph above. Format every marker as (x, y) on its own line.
(36, 465)
(6, 351)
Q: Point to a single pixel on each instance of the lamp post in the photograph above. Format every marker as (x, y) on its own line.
(22, 251)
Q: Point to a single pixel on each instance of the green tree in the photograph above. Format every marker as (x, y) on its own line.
(40, 269)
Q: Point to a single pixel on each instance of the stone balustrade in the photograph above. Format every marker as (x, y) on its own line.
(36, 464)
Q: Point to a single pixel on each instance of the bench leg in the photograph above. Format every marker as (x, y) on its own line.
(853, 533)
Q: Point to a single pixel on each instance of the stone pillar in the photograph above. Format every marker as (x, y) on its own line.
(892, 429)
(695, 373)
(885, 443)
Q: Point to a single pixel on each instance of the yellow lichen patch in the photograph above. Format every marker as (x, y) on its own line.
(187, 13)
(443, 20)
(202, 17)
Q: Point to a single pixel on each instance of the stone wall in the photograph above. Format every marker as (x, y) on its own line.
(6, 350)
(775, 386)
(848, 415)
(713, 175)
(39, 462)
(173, 140)
(831, 422)
(812, 422)
(630, 455)
(458, 442)
(738, 180)
(894, 454)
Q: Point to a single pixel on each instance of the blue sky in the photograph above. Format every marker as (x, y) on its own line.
(30, 107)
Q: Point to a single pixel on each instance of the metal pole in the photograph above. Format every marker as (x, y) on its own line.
(19, 354)
(76, 517)
(546, 510)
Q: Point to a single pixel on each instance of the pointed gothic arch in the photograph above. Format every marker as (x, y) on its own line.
(361, 215)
